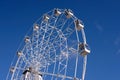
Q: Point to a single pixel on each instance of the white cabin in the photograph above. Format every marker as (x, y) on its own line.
(68, 13)
(27, 39)
(57, 12)
(19, 53)
(36, 27)
(84, 49)
(46, 18)
(78, 25)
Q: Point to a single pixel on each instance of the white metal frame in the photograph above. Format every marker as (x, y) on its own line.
(48, 50)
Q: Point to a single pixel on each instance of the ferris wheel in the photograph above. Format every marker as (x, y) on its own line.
(56, 49)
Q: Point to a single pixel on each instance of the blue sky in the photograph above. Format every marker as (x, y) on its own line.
(102, 25)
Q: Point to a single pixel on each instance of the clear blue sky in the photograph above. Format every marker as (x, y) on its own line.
(102, 27)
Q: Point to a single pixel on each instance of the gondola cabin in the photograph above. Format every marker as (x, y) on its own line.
(27, 39)
(78, 25)
(46, 18)
(57, 12)
(36, 27)
(84, 49)
(19, 53)
(12, 69)
(68, 13)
